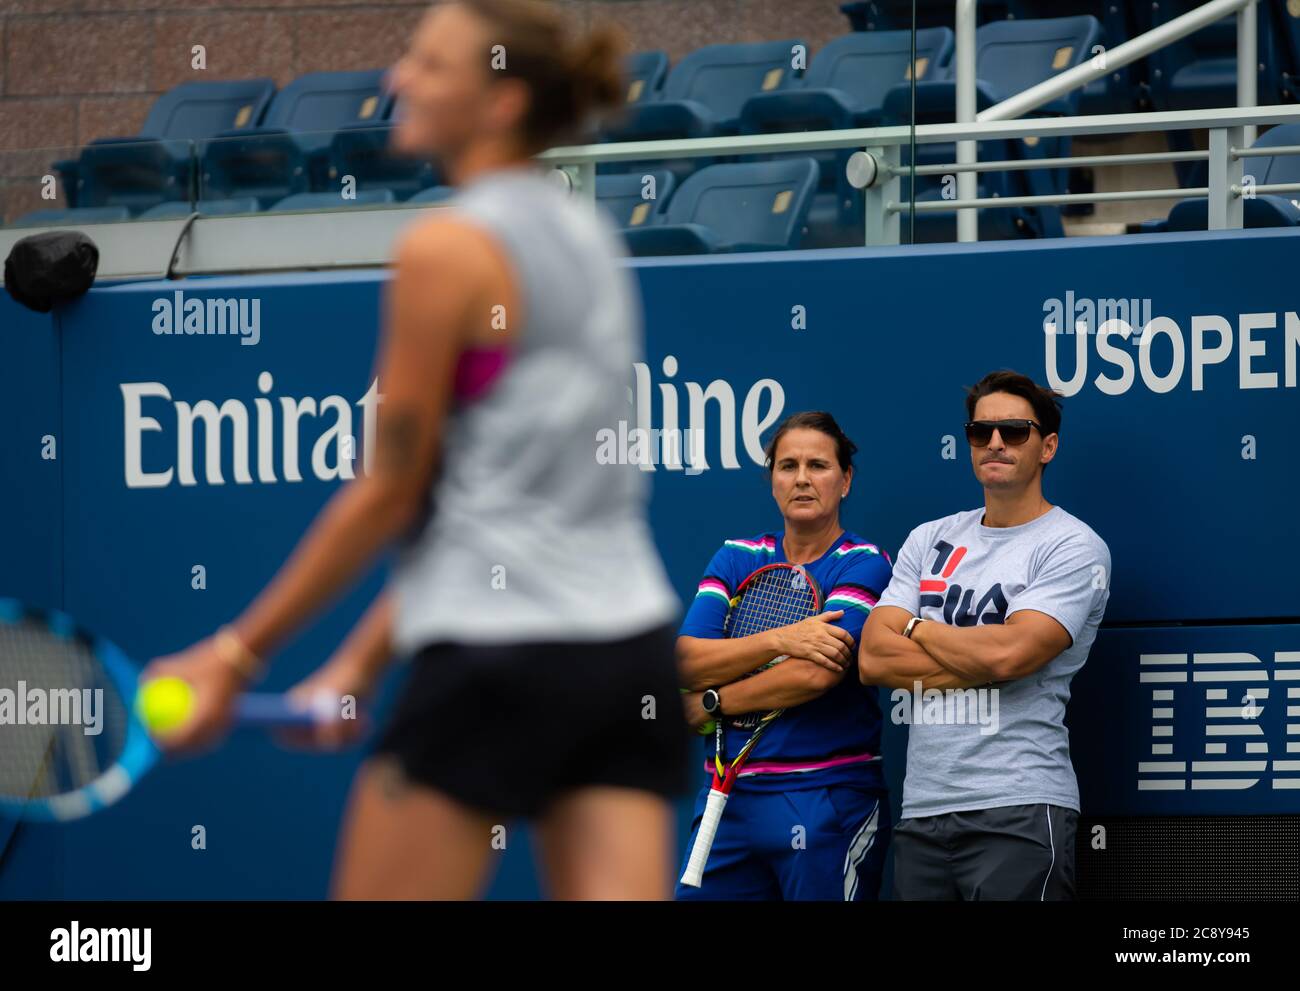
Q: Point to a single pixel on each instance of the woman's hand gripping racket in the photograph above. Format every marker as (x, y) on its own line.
(73, 738)
(773, 596)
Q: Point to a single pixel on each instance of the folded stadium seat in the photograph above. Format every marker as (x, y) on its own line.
(362, 150)
(750, 206)
(73, 216)
(1010, 57)
(645, 72)
(157, 165)
(1200, 71)
(289, 152)
(434, 194)
(702, 97)
(332, 201)
(1264, 210)
(1118, 91)
(845, 87)
(877, 15)
(624, 197)
(205, 208)
(1122, 90)
(1286, 36)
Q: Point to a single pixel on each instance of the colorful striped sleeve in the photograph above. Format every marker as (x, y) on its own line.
(860, 582)
(851, 595)
(734, 561)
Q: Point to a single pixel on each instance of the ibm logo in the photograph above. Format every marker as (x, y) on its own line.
(1229, 695)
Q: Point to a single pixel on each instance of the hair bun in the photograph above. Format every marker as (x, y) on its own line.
(596, 68)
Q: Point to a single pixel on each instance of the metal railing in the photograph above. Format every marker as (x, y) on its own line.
(357, 236)
(877, 169)
(1086, 72)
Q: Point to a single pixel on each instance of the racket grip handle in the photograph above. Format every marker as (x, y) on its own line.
(694, 873)
(272, 710)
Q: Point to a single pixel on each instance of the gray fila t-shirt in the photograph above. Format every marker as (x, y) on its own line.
(965, 753)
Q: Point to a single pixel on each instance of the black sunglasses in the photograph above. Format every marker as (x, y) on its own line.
(1014, 432)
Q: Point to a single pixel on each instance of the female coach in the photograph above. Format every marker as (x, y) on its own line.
(809, 817)
(531, 599)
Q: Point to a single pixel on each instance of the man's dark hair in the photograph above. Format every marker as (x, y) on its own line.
(814, 420)
(1046, 402)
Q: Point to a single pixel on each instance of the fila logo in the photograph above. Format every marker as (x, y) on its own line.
(953, 599)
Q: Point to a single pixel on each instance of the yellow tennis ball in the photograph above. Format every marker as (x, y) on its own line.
(165, 703)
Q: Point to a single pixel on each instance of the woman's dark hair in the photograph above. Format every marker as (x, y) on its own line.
(814, 420)
(572, 77)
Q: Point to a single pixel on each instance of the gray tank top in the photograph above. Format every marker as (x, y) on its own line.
(530, 536)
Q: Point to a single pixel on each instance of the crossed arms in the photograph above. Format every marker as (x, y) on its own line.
(943, 656)
(819, 652)
(937, 655)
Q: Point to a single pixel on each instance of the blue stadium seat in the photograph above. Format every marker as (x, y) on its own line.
(289, 152)
(646, 72)
(363, 151)
(702, 97)
(1286, 33)
(1200, 71)
(753, 206)
(207, 208)
(434, 194)
(706, 90)
(878, 15)
(73, 216)
(332, 201)
(846, 84)
(158, 164)
(624, 196)
(1010, 57)
(1119, 91)
(845, 87)
(1265, 210)
(1261, 211)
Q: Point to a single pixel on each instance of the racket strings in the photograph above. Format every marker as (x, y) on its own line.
(775, 598)
(771, 598)
(62, 723)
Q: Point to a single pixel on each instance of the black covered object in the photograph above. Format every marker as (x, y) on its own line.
(50, 268)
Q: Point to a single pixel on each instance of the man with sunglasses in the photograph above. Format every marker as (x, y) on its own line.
(1004, 599)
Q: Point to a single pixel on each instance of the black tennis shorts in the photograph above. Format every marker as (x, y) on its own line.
(507, 729)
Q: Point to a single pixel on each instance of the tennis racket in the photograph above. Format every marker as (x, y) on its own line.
(85, 747)
(773, 596)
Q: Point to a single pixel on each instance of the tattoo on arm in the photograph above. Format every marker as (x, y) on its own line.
(395, 443)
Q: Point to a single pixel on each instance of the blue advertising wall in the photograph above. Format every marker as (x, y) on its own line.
(1188, 471)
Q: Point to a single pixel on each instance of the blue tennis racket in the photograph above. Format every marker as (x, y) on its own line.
(71, 743)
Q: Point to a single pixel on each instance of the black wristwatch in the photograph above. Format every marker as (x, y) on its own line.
(711, 702)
